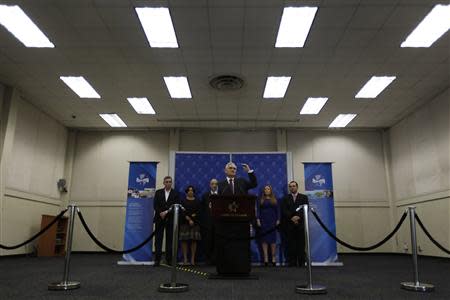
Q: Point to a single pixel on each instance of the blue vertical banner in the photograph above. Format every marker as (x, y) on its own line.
(319, 188)
(139, 213)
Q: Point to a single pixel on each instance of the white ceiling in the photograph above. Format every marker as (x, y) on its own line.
(102, 40)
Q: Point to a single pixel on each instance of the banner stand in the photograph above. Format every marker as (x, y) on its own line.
(139, 212)
(319, 189)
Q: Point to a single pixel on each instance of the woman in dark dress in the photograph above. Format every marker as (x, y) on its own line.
(189, 227)
(268, 216)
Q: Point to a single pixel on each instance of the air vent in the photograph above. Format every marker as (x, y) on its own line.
(226, 82)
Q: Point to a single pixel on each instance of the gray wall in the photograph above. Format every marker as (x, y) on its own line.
(420, 171)
(32, 160)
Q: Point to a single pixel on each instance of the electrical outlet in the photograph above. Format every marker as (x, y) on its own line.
(405, 247)
(419, 249)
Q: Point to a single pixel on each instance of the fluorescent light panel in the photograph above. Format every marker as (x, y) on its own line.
(374, 86)
(432, 27)
(158, 27)
(141, 106)
(342, 120)
(20, 25)
(178, 87)
(313, 106)
(80, 86)
(113, 120)
(294, 26)
(276, 86)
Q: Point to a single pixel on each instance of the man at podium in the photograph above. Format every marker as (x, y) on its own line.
(237, 186)
(233, 210)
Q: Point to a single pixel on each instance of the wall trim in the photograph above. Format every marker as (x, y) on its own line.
(32, 197)
(424, 198)
(100, 203)
(347, 204)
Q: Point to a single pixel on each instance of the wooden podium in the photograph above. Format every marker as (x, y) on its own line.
(232, 216)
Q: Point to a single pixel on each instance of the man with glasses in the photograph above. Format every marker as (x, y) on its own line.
(164, 198)
(292, 225)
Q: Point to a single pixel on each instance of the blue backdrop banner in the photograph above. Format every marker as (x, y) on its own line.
(197, 169)
(319, 188)
(139, 214)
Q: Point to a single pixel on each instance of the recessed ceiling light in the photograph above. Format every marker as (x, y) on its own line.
(276, 86)
(313, 106)
(294, 26)
(342, 120)
(21, 26)
(113, 120)
(141, 106)
(374, 86)
(432, 27)
(158, 27)
(80, 86)
(178, 87)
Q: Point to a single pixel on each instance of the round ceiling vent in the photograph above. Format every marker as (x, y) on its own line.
(226, 82)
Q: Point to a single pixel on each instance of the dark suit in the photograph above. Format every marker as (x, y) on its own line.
(295, 236)
(160, 204)
(207, 228)
(241, 185)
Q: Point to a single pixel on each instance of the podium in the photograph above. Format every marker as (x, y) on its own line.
(231, 216)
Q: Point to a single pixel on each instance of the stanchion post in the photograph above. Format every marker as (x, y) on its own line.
(173, 286)
(309, 288)
(415, 286)
(65, 284)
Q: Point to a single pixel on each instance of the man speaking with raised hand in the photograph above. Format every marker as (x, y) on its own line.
(237, 186)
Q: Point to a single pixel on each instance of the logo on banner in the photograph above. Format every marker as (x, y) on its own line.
(143, 179)
(318, 180)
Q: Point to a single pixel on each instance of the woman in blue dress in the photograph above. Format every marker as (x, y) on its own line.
(268, 216)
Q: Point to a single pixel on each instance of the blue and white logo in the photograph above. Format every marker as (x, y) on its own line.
(318, 180)
(143, 179)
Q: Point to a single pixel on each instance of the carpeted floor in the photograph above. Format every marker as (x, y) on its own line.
(363, 276)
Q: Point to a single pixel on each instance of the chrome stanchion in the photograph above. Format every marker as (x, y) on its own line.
(65, 284)
(173, 286)
(416, 285)
(308, 288)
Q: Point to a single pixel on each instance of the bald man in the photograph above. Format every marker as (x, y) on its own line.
(237, 186)
(207, 228)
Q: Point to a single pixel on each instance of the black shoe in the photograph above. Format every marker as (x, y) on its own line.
(274, 264)
(156, 264)
(266, 264)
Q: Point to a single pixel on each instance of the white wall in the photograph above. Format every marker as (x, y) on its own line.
(420, 170)
(359, 180)
(32, 161)
(100, 179)
(228, 141)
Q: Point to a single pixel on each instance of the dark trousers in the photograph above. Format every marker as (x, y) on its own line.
(207, 233)
(295, 236)
(160, 228)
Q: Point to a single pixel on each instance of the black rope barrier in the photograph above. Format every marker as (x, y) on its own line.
(106, 248)
(427, 233)
(387, 238)
(59, 216)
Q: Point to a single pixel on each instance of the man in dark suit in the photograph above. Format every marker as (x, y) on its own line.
(237, 186)
(207, 228)
(163, 219)
(292, 225)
